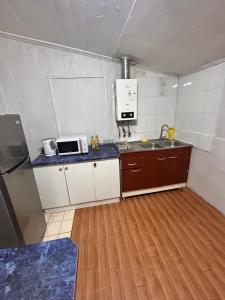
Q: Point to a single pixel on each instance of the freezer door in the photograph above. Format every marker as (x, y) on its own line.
(22, 189)
(13, 147)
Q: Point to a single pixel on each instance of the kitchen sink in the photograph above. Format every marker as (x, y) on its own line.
(151, 146)
(171, 144)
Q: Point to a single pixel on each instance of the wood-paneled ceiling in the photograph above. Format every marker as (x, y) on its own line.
(173, 36)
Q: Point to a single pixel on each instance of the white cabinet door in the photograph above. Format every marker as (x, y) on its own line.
(107, 179)
(80, 182)
(52, 187)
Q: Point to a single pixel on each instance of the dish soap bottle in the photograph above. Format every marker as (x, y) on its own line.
(171, 133)
(97, 142)
(92, 142)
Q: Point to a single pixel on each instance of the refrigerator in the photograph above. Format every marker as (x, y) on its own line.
(22, 218)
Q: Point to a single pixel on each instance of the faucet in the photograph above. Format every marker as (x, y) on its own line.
(162, 129)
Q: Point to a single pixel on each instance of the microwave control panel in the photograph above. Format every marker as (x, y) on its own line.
(126, 99)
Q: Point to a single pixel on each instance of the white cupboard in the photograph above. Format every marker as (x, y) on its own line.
(78, 183)
(52, 186)
(107, 179)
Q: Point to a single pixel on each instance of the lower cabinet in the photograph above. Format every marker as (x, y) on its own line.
(149, 169)
(52, 186)
(107, 179)
(78, 183)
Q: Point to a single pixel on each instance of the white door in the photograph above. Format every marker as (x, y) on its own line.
(80, 103)
(80, 182)
(107, 179)
(52, 187)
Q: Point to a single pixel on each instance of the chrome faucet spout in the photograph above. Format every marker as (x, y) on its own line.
(165, 127)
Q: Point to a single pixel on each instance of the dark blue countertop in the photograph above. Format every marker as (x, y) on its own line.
(105, 151)
(43, 271)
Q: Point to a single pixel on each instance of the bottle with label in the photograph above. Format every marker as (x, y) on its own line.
(96, 142)
(92, 142)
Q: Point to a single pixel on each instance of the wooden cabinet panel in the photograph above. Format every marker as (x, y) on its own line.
(154, 168)
(132, 162)
(133, 179)
(52, 186)
(177, 165)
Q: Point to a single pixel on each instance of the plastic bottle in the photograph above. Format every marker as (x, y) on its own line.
(96, 142)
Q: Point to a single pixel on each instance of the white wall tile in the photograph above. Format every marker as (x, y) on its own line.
(160, 120)
(197, 122)
(141, 81)
(217, 76)
(200, 100)
(160, 105)
(150, 122)
(140, 123)
(205, 142)
(213, 100)
(141, 105)
(171, 105)
(170, 120)
(209, 124)
(150, 105)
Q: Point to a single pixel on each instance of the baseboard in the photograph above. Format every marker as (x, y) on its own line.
(81, 205)
(154, 190)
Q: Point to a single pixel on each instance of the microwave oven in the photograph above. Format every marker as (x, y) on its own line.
(72, 145)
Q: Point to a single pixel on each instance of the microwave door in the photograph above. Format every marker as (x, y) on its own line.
(68, 147)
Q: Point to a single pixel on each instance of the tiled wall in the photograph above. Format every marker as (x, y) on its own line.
(156, 103)
(198, 104)
(24, 88)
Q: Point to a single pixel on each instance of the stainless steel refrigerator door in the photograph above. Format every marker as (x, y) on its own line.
(25, 200)
(13, 147)
(8, 235)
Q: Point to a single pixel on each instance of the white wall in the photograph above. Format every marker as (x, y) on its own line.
(156, 102)
(207, 169)
(198, 104)
(24, 80)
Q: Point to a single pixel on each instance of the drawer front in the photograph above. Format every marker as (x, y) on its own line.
(133, 179)
(131, 163)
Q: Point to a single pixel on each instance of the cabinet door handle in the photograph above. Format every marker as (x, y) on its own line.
(95, 165)
(136, 171)
(172, 157)
(66, 168)
(161, 158)
(132, 165)
(60, 169)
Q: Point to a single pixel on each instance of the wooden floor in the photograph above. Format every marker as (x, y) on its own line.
(169, 245)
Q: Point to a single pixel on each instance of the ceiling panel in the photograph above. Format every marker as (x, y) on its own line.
(174, 36)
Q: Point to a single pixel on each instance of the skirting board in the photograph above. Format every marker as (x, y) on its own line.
(82, 205)
(153, 190)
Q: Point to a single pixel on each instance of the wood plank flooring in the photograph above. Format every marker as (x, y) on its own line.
(168, 245)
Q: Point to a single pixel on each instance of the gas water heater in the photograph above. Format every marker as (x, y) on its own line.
(126, 99)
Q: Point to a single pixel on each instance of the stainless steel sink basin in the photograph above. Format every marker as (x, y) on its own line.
(151, 146)
(170, 144)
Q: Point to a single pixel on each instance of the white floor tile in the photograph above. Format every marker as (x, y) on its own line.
(69, 214)
(50, 238)
(47, 217)
(53, 228)
(56, 217)
(64, 235)
(66, 226)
